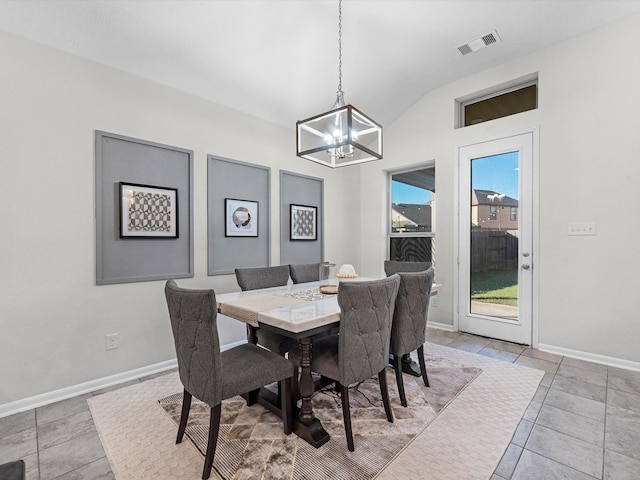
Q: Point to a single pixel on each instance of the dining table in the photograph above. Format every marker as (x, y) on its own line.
(297, 311)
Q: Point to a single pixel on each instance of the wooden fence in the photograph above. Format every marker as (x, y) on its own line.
(494, 250)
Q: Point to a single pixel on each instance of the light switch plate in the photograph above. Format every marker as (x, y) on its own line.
(582, 228)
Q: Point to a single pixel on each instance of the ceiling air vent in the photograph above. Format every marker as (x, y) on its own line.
(479, 43)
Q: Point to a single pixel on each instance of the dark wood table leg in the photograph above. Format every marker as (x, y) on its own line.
(308, 427)
(252, 337)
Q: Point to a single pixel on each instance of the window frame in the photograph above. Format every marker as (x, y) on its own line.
(389, 221)
(494, 91)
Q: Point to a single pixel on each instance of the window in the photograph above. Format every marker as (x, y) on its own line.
(514, 214)
(493, 213)
(412, 215)
(513, 97)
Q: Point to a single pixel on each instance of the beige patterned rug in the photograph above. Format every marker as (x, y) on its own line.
(252, 445)
(464, 440)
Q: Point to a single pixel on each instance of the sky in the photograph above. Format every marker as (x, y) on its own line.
(403, 193)
(498, 173)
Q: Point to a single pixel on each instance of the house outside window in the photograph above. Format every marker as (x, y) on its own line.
(493, 210)
(412, 215)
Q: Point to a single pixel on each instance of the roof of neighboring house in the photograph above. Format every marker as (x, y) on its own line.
(418, 214)
(489, 197)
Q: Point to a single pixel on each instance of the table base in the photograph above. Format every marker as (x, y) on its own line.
(314, 433)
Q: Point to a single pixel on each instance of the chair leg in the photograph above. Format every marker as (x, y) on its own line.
(346, 415)
(214, 427)
(184, 416)
(397, 366)
(423, 369)
(382, 379)
(286, 405)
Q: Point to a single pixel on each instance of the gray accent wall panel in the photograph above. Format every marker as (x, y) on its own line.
(300, 190)
(228, 178)
(130, 160)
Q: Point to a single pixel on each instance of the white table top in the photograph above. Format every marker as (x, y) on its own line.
(294, 315)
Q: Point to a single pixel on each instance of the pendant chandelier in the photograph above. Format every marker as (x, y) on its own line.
(343, 135)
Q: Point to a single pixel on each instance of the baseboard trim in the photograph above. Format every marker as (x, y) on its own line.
(86, 387)
(441, 326)
(591, 357)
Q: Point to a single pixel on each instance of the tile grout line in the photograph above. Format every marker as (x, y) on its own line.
(35, 415)
(604, 436)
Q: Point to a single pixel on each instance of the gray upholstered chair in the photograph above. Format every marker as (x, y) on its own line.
(409, 325)
(266, 277)
(262, 277)
(361, 349)
(12, 470)
(393, 266)
(308, 272)
(211, 375)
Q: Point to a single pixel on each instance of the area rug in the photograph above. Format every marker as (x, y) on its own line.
(251, 443)
(463, 434)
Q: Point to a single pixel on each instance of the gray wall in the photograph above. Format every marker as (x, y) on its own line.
(243, 181)
(300, 190)
(129, 160)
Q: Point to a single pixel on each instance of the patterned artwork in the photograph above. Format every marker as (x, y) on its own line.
(303, 222)
(148, 211)
(241, 218)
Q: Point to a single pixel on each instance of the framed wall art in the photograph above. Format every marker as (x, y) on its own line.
(304, 222)
(148, 211)
(241, 218)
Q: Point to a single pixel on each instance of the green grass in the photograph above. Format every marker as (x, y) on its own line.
(495, 286)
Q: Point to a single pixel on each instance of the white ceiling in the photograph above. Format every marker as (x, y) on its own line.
(278, 59)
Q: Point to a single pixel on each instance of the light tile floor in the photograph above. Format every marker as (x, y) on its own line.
(583, 423)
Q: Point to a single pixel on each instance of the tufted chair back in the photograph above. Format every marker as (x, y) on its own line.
(410, 316)
(366, 310)
(193, 316)
(308, 272)
(262, 277)
(266, 277)
(393, 266)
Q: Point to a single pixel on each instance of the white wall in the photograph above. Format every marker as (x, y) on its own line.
(53, 318)
(589, 171)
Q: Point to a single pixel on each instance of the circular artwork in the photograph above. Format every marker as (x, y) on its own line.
(241, 217)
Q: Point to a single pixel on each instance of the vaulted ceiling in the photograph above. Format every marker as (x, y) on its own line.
(278, 59)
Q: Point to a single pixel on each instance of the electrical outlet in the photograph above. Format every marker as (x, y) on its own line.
(582, 228)
(112, 341)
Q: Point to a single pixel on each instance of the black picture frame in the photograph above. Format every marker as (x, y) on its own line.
(148, 211)
(303, 222)
(241, 218)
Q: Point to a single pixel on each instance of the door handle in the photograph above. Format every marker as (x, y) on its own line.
(526, 266)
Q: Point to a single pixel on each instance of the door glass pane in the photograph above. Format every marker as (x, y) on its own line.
(494, 236)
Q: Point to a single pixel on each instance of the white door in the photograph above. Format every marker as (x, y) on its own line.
(496, 257)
